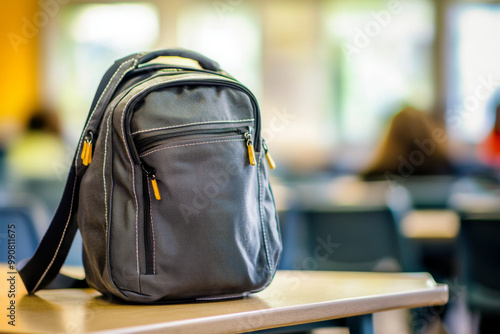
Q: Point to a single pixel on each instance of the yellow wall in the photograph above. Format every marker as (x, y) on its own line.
(19, 59)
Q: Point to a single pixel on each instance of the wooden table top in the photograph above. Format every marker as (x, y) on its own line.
(294, 297)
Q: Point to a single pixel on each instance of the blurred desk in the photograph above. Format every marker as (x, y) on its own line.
(323, 194)
(294, 297)
(476, 196)
(431, 224)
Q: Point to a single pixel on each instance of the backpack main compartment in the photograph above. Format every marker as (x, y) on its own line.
(171, 207)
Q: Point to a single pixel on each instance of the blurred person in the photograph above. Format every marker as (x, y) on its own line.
(489, 149)
(414, 144)
(34, 159)
(8, 130)
(33, 154)
(2, 164)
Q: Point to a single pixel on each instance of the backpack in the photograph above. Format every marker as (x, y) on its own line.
(169, 187)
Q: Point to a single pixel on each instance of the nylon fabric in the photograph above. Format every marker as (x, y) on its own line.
(212, 235)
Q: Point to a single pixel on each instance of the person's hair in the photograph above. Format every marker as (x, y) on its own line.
(44, 120)
(410, 132)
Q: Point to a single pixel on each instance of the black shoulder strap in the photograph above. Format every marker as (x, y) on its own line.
(45, 264)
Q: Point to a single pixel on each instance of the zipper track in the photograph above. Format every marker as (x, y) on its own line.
(148, 238)
(143, 144)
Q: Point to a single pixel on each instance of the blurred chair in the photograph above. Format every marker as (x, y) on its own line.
(48, 191)
(480, 250)
(352, 239)
(20, 221)
(31, 217)
(429, 192)
(293, 235)
(343, 224)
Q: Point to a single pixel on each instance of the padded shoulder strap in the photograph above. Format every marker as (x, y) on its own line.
(45, 264)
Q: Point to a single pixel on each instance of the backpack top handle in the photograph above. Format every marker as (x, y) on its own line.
(205, 62)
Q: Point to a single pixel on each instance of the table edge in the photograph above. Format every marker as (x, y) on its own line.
(271, 318)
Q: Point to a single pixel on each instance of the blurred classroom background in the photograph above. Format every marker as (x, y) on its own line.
(383, 118)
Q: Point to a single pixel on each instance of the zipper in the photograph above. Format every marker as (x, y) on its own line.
(251, 150)
(223, 81)
(269, 158)
(146, 143)
(149, 174)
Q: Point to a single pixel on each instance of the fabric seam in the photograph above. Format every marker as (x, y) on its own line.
(192, 144)
(97, 105)
(195, 123)
(261, 213)
(104, 177)
(135, 195)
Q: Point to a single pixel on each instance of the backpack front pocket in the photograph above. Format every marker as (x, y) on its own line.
(201, 216)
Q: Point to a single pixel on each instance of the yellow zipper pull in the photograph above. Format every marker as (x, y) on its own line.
(87, 149)
(150, 173)
(155, 187)
(89, 154)
(251, 150)
(84, 150)
(270, 159)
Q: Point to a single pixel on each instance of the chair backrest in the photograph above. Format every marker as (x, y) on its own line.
(48, 191)
(353, 238)
(18, 228)
(480, 250)
(429, 192)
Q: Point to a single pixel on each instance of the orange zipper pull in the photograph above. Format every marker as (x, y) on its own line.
(150, 173)
(251, 150)
(84, 150)
(87, 149)
(270, 159)
(251, 154)
(155, 187)
(89, 153)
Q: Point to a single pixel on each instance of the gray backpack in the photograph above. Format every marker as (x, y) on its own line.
(169, 188)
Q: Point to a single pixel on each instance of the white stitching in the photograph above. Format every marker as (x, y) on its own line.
(152, 229)
(104, 175)
(97, 105)
(187, 124)
(133, 188)
(261, 214)
(60, 241)
(192, 144)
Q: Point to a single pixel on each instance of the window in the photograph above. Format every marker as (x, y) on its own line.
(231, 35)
(381, 58)
(83, 44)
(474, 73)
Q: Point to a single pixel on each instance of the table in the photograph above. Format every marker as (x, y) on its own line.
(294, 297)
(431, 225)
